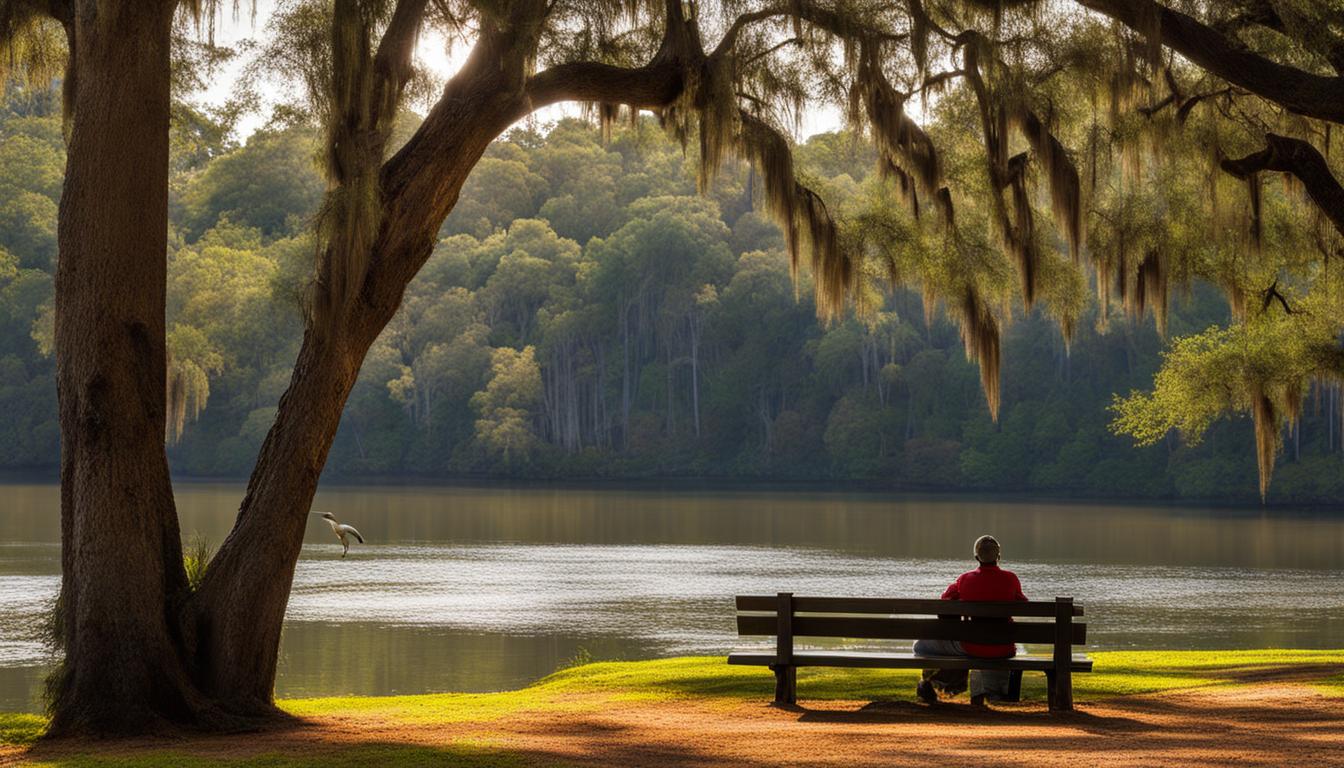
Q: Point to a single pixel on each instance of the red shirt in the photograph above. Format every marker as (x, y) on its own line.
(987, 583)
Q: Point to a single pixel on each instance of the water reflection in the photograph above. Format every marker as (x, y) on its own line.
(481, 589)
(936, 527)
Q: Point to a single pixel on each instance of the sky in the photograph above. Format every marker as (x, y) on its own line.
(432, 52)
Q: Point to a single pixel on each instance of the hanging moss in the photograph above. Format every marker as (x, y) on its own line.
(801, 213)
(188, 389)
(32, 45)
(1066, 196)
(995, 8)
(1150, 28)
(929, 300)
(980, 336)
(33, 50)
(359, 102)
(1276, 405)
(904, 184)
(1014, 227)
(716, 105)
(904, 146)
(919, 37)
(1266, 436)
(1020, 234)
(1253, 196)
(607, 114)
(1151, 290)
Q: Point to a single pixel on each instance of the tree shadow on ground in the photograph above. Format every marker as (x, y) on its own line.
(296, 754)
(956, 713)
(1274, 720)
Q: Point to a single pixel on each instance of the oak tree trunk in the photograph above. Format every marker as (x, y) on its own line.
(241, 603)
(122, 578)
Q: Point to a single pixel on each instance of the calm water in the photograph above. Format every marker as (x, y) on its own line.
(472, 589)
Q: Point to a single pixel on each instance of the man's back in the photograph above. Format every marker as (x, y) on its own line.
(988, 583)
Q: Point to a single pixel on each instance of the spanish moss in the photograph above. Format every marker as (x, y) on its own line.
(980, 336)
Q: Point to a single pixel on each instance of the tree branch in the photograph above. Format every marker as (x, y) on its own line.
(393, 61)
(822, 18)
(1300, 158)
(936, 80)
(653, 85)
(1262, 13)
(1300, 92)
(777, 46)
(1270, 294)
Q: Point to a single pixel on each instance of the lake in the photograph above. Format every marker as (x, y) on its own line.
(477, 589)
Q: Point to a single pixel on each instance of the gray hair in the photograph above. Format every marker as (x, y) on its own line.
(987, 549)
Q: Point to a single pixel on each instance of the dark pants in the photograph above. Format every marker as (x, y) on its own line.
(954, 681)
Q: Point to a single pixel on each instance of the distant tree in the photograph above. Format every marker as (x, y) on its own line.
(261, 185)
(28, 219)
(507, 423)
(31, 160)
(498, 191)
(649, 274)
(854, 436)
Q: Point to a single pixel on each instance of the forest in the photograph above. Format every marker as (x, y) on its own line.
(588, 314)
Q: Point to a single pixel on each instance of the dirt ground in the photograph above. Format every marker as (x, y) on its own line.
(1270, 723)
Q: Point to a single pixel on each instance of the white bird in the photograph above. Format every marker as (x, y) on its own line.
(342, 531)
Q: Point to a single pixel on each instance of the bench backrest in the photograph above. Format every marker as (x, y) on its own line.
(786, 617)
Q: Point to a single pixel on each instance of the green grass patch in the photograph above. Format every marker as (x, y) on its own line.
(1115, 673)
(1332, 685)
(20, 727)
(1132, 672)
(706, 680)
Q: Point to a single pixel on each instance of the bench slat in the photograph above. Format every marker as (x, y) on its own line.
(872, 628)
(885, 660)
(884, 605)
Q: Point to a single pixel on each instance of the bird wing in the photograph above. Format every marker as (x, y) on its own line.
(351, 530)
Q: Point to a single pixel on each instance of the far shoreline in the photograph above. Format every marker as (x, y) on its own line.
(686, 484)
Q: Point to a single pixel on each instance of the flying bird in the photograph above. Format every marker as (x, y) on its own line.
(342, 531)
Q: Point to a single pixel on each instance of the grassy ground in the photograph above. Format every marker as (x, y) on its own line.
(708, 682)
(1115, 673)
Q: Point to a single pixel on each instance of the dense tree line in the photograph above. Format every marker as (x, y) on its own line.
(587, 314)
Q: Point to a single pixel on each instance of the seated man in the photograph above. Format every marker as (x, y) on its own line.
(989, 582)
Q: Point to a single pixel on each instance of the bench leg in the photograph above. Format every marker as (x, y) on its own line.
(1064, 690)
(1050, 689)
(1014, 686)
(786, 684)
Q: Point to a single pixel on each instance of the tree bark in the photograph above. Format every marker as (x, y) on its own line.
(241, 602)
(122, 577)
(1302, 160)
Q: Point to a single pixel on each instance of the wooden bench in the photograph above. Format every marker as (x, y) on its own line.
(787, 617)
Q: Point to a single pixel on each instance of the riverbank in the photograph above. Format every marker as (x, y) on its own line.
(1137, 708)
(1249, 503)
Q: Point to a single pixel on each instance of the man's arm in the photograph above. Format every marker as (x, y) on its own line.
(953, 592)
(1020, 597)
